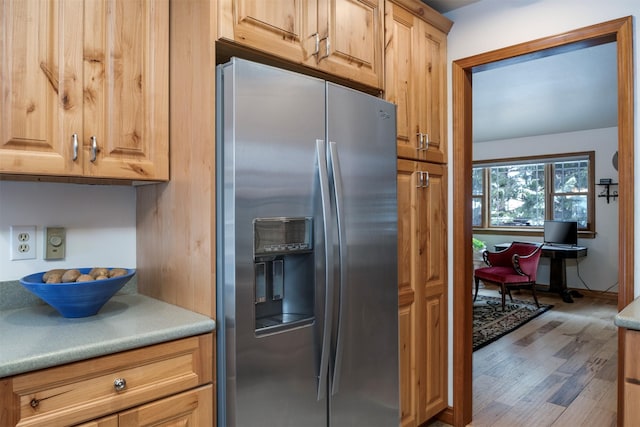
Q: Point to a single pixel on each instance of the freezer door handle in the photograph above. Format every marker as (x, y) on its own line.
(328, 306)
(334, 162)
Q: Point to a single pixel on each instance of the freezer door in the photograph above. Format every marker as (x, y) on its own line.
(361, 134)
(268, 168)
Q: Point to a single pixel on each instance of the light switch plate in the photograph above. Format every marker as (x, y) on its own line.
(55, 242)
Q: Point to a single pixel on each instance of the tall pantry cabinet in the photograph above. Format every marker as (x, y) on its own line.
(415, 80)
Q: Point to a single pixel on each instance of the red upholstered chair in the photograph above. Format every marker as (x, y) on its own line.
(514, 267)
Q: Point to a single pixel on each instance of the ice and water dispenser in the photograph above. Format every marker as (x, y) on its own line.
(284, 283)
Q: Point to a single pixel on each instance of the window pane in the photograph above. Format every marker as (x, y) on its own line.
(476, 205)
(571, 177)
(477, 181)
(517, 195)
(571, 208)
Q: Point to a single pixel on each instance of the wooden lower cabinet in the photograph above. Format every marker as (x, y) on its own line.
(161, 385)
(422, 287)
(631, 416)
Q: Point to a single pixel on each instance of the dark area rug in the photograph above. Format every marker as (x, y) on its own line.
(491, 323)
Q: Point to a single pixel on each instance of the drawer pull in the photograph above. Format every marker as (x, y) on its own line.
(34, 403)
(120, 384)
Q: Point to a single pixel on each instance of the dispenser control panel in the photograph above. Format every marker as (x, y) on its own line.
(283, 235)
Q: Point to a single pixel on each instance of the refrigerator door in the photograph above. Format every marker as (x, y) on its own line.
(361, 134)
(268, 170)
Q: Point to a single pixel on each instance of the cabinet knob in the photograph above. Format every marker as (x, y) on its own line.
(119, 384)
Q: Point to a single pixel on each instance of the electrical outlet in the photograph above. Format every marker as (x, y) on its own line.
(23, 242)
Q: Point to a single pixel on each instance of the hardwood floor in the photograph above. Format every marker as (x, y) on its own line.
(560, 369)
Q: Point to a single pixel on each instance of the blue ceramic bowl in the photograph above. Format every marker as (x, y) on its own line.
(76, 299)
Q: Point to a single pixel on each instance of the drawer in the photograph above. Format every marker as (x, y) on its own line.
(86, 390)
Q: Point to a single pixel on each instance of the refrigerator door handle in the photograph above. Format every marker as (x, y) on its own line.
(342, 262)
(328, 306)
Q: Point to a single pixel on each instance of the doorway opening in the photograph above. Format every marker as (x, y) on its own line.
(619, 31)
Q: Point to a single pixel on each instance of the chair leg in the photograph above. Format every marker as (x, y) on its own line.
(533, 291)
(510, 297)
(477, 285)
(504, 291)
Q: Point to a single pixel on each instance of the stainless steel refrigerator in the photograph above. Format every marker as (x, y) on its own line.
(307, 299)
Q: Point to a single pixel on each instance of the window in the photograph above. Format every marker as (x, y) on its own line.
(523, 193)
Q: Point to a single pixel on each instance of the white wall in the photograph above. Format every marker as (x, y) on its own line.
(494, 24)
(599, 270)
(100, 223)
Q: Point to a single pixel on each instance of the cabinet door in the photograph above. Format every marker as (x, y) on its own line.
(406, 293)
(354, 31)
(401, 63)
(192, 408)
(431, 279)
(415, 80)
(422, 271)
(41, 86)
(126, 91)
(286, 28)
(431, 103)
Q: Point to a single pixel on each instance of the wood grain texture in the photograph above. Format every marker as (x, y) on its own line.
(618, 30)
(415, 80)
(422, 258)
(176, 220)
(557, 370)
(340, 37)
(80, 391)
(189, 409)
(41, 86)
(126, 90)
(427, 14)
(59, 80)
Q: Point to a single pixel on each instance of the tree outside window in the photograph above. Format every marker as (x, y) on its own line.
(523, 193)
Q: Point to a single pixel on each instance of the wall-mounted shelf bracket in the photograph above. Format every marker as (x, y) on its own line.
(607, 192)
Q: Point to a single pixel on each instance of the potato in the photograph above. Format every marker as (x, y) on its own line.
(98, 271)
(102, 277)
(55, 277)
(85, 278)
(57, 271)
(70, 275)
(115, 272)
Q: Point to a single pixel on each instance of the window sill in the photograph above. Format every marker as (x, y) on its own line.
(526, 231)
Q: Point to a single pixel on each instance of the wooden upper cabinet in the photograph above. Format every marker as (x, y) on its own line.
(73, 72)
(284, 29)
(354, 34)
(340, 37)
(415, 78)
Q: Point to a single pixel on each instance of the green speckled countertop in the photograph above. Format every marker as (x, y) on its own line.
(629, 317)
(36, 336)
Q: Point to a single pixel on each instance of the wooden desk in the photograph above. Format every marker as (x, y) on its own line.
(558, 269)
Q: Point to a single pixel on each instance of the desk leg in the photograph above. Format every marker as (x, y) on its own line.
(558, 279)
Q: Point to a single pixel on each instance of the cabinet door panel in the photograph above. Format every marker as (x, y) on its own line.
(406, 293)
(41, 86)
(400, 80)
(284, 28)
(432, 290)
(422, 273)
(355, 30)
(126, 66)
(189, 409)
(433, 396)
(432, 106)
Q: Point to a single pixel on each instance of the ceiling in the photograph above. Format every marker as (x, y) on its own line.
(568, 92)
(444, 6)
